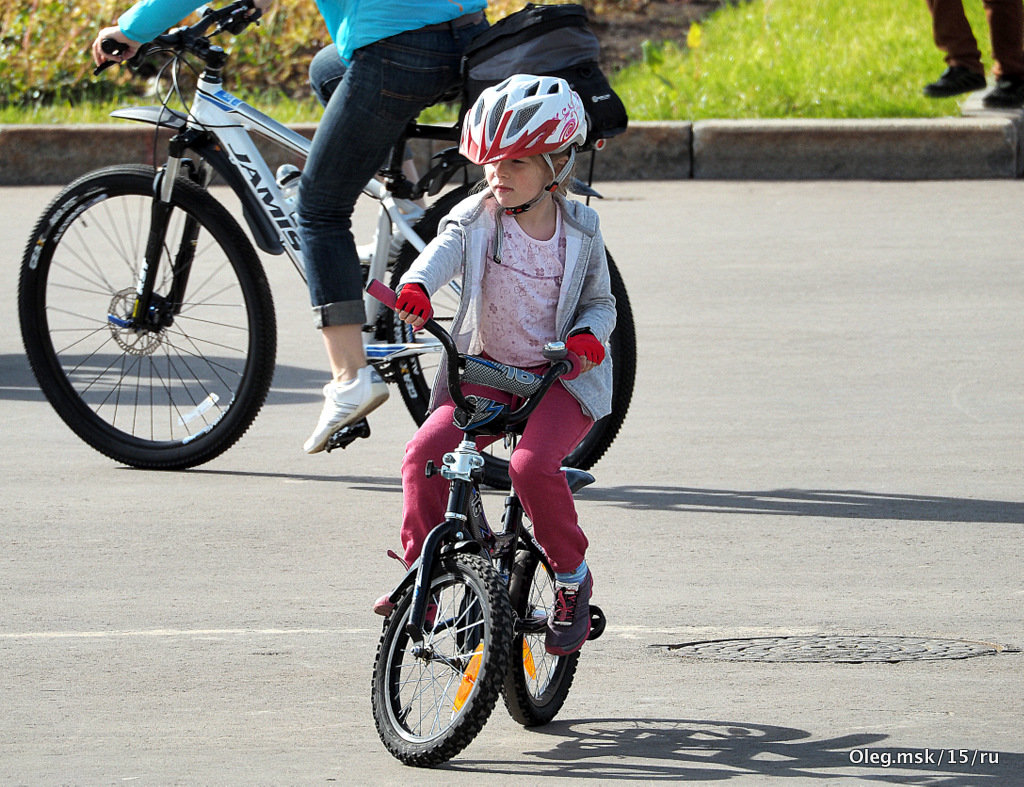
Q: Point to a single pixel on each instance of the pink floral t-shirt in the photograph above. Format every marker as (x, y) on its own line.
(520, 294)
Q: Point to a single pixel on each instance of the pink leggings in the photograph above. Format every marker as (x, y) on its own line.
(553, 430)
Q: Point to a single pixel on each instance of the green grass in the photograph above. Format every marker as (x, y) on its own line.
(758, 59)
(797, 59)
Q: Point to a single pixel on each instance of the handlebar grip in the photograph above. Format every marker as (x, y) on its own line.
(574, 366)
(383, 293)
(111, 46)
(557, 352)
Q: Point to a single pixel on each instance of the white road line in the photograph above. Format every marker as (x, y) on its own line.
(625, 632)
(178, 633)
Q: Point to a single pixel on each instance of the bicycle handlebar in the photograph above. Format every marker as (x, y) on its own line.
(195, 39)
(564, 363)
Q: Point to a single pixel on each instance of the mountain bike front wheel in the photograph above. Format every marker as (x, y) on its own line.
(431, 698)
(169, 389)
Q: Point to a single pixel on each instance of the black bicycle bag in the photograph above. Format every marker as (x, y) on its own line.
(546, 40)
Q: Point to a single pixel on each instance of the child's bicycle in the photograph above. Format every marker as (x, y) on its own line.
(145, 312)
(470, 614)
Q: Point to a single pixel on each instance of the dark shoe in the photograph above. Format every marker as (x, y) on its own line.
(1007, 94)
(954, 81)
(569, 623)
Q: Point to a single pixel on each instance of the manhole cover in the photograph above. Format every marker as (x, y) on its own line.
(837, 648)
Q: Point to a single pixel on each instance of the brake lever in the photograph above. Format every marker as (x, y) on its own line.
(241, 20)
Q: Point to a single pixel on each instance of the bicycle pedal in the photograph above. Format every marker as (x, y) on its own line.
(348, 434)
(597, 623)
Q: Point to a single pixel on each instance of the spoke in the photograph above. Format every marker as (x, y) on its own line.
(128, 249)
(86, 255)
(89, 334)
(215, 367)
(215, 323)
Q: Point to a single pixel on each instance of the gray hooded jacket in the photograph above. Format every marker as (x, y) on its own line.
(465, 238)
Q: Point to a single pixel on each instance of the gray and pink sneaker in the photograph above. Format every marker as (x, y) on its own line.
(569, 622)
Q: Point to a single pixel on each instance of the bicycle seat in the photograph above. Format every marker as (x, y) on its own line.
(577, 478)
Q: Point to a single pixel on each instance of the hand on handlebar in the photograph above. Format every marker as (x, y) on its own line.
(413, 305)
(111, 45)
(588, 348)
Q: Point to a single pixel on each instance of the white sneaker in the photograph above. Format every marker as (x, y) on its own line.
(345, 403)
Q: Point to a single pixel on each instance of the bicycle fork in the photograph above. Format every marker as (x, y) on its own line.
(151, 311)
(458, 469)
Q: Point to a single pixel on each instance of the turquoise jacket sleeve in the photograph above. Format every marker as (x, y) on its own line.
(147, 19)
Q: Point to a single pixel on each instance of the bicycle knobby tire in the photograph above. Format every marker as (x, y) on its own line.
(430, 699)
(537, 682)
(172, 395)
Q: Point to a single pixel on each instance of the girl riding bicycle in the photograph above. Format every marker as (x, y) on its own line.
(533, 268)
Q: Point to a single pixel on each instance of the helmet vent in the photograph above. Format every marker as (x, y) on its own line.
(494, 119)
(523, 117)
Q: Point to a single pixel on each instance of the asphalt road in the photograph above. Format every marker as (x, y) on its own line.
(826, 439)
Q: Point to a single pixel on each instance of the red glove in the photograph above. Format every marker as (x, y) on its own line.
(586, 345)
(414, 300)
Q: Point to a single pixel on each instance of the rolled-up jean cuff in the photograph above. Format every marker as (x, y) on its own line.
(339, 313)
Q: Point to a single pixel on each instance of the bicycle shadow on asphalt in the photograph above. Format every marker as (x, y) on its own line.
(17, 383)
(830, 503)
(700, 750)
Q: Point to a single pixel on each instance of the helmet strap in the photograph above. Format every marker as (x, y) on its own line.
(552, 186)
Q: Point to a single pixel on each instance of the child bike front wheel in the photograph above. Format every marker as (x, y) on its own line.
(433, 692)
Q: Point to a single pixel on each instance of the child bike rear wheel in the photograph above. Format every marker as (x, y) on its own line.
(431, 698)
(537, 682)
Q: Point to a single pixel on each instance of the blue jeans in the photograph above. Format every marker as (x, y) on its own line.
(369, 102)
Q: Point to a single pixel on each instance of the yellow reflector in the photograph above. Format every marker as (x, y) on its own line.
(469, 678)
(531, 668)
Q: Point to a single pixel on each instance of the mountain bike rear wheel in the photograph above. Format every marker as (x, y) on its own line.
(431, 698)
(175, 387)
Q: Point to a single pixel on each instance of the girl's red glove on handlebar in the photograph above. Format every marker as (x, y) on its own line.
(586, 345)
(414, 300)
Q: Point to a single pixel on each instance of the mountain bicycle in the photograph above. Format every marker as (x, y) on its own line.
(145, 311)
(470, 614)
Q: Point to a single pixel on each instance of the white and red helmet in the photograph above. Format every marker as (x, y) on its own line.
(523, 116)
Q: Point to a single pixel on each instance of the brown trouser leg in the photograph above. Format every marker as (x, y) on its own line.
(1006, 25)
(953, 35)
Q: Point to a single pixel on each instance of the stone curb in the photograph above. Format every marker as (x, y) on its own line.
(972, 147)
